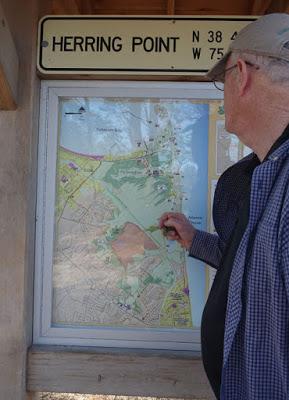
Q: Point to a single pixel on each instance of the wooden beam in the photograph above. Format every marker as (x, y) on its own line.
(85, 7)
(7, 101)
(170, 7)
(63, 7)
(9, 65)
(278, 6)
(116, 372)
(130, 7)
(259, 7)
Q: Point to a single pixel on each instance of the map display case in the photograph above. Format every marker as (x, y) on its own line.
(113, 157)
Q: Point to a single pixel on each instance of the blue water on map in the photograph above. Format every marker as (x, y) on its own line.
(195, 207)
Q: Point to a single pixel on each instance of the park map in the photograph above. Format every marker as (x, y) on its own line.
(118, 170)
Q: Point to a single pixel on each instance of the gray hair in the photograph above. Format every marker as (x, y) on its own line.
(277, 70)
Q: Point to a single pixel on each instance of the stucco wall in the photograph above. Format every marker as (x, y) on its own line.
(17, 200)
(18, 167)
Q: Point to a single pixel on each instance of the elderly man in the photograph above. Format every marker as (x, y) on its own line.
(245, 324)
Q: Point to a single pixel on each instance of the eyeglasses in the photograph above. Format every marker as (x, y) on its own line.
(219, 80)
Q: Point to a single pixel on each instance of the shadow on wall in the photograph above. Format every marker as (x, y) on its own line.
(70, 396)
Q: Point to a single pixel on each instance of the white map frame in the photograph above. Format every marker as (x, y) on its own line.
(44, 332)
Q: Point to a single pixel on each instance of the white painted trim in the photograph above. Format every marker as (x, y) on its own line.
(44, 332)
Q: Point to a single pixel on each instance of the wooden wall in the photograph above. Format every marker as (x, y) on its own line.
(163, 7)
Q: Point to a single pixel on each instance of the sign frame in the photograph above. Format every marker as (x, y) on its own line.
(44, 330)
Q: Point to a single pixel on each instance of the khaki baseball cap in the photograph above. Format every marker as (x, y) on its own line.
(267, 36)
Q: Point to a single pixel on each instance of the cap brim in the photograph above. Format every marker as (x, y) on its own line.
(219, 67)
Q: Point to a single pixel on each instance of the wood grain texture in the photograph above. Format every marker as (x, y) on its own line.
(65, 7)
(9, 66)
(170, 7)
(278, 6)
(211, 7)
(259, 7)
(116, 372)
(86, 6)
(153, 7)
(7, 101)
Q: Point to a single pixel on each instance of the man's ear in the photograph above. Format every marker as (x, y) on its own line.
(243, 76)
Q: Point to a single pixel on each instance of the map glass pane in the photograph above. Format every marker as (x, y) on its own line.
(121, 163)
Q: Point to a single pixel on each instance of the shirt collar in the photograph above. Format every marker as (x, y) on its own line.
(276, 145)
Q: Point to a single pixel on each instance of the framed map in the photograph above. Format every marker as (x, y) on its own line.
(114, 156)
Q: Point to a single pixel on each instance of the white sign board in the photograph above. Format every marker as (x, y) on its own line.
(134, 45)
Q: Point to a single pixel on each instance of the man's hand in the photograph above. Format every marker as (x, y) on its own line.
(177, 227)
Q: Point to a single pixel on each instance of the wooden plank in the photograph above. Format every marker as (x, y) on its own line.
(86, 7)
(157, 7)
(116, 372)
(210, 7)
(7, 101)
(259, 7)
(9, 66)
(130, 7)
(65, 7)
(278, 6)
(170, 7)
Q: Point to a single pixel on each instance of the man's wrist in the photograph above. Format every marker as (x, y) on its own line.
(188, 244)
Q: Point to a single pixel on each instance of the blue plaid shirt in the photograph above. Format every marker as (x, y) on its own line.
(256, 343)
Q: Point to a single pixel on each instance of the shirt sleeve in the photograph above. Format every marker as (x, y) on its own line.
(283, 249)
(207, 247)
